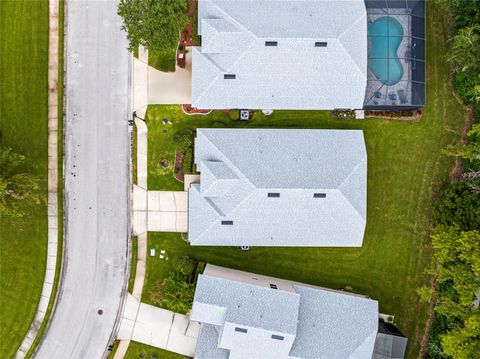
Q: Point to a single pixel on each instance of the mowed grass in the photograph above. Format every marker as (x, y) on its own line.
(138, 350)
(23, 126)
(406, 172)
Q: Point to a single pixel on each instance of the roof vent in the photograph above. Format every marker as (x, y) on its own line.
(277, 337)
(319, 195)
(241, 330)
(227, 223)
(229, 76)
(320, 44)
(273, 194)
(273, 286)
(271, 43)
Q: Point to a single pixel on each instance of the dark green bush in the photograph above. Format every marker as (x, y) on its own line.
(183, 139)
(460, 205)
(185, 265)
(188, 161)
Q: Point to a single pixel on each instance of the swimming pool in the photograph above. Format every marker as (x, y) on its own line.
(386, 34)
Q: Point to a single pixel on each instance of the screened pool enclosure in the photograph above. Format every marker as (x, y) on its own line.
(396, 54)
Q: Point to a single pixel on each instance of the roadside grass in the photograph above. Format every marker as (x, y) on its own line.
(133, 267)
(58, 268)
(405, 173)
(138, 350)
(23, 127)
(163, 60)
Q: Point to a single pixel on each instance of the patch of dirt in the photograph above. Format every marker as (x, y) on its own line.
(178, 170)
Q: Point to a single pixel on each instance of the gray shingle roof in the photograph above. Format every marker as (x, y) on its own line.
(315, 323)
(250, 315)
(240, 167)
(292, 75)
(334, 325)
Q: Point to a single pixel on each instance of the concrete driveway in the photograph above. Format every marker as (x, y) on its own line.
(171, 87)
(158, 327)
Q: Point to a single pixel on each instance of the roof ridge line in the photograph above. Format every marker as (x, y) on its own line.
(339, 38)
(345, 180)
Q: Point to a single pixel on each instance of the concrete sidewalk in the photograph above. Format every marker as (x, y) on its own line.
(158, 327)
(156, 211)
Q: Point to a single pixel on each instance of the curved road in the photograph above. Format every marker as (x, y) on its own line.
(97, 150)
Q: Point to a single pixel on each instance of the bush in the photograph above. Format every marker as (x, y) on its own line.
(188, 161)
(234, 114)
(177, 293)
(464, 85)
(460, 205)
(183, 139)
(185, 265)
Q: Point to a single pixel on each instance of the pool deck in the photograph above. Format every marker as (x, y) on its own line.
(378, 94)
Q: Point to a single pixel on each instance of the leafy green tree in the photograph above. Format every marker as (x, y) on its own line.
(17, 188)
(154, 24)
(464, 342)
(470, 151)
(457, 255)
(459, 205)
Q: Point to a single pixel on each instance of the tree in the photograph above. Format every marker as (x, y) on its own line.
(464, 342)
(152, 23)
(470, 151)
(17, 188)
(457, 256)
(459, 204)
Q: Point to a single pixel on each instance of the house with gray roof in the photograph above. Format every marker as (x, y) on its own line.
(275, 187)
(277, 54)
(245, 315)
(310, 54)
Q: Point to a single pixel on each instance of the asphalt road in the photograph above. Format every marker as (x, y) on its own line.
(96, 177)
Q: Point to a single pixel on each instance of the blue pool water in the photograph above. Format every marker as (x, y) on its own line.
(385, 35)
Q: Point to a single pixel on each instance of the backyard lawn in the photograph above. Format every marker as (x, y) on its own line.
(405, 173)
(23, 127)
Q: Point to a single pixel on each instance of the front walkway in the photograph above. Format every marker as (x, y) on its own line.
(157, 211)
(158, 327)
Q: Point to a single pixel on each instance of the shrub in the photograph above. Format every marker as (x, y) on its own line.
(185, 265)
(188, 161)
(183, 139)
(460, 205)
(177, 293)
(234, 114)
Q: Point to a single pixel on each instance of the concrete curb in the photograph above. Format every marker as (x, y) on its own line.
(52, 200)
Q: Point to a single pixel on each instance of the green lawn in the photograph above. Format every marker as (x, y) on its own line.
(23, 126)
(138, 350)
(163, 60)
(405, 173)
